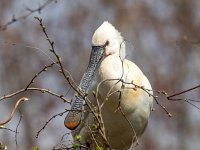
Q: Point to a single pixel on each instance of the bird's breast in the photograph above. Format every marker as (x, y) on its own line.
(115, 78)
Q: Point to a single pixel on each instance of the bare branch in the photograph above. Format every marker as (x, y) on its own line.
(4, 128)
(16, 131)
(54, 116)
(36, 75)
(67, 76)
(182, 92)
(135, 138)
(30, 12)
(60, 96)
(61, 140)
(13, 110)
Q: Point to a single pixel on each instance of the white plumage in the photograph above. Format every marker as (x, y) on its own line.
(126, 111)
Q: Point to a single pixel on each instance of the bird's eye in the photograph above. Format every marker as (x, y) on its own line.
(107, 43)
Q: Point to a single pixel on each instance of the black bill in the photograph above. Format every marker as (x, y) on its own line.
(73, 118)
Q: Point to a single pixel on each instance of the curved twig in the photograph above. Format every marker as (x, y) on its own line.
(14, 109)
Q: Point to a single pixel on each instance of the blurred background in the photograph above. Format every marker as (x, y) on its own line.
(163, 39)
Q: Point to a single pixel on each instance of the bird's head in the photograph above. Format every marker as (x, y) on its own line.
(112, 40)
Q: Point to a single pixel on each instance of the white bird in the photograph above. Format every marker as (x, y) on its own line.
(125, 105)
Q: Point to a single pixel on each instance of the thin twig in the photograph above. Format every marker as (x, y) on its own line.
(93, 138)
(16, 131)
(135, 138)
(61, 140)
(67, 76)
(155, 98)
(60, 96)
(99, 120)
(182, 92)
(36, 75)
(30, 12)
(13, 110)
(47, 122)
(4, 128)
(186, 99)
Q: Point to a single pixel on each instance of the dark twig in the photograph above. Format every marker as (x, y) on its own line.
(4, 128)
(60, 96)
(16, 131)
(192, 104)
(99, 119)
(67, 76)
(182, 92)
(30, 12)
(47, 122)
(155, 98)
(135, 138)
(61, 140)
(36, 75)
(188, 101)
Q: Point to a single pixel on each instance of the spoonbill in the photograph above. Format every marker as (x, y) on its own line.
(119, 86)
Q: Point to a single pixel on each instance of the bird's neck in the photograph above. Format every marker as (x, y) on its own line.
(109, 73)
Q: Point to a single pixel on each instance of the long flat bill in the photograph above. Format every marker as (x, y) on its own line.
(73, 119)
